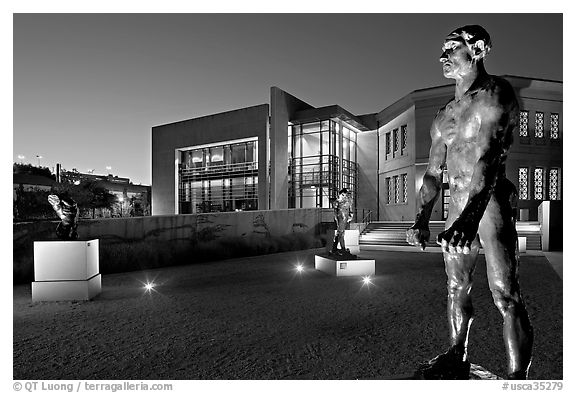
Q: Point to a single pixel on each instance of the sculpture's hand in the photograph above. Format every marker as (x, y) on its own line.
(458, 238)
(418, 236)
(53, 200)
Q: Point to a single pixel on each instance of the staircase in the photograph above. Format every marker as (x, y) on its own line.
(393, 233)
(531, 231)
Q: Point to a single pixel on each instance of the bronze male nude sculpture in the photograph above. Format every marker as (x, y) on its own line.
(471, 136)
(67, 209)
(342, 216)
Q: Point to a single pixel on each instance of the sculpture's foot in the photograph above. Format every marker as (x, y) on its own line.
(448, 365)
(518, 375)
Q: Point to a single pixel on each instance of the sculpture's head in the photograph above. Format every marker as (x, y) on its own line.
(464, 48)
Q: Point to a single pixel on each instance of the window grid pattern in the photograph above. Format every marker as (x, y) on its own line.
(387, 143)
(388, 191)
(554, 126)
(396, 190)
(403, 138)
(404, 188)
(539, 184)
(523, 183)
(554, 184)
(523, 123)
(539, 125)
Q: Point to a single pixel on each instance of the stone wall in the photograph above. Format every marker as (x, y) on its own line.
(136, 243)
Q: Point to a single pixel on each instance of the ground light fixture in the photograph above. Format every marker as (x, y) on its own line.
(149, 286)
(366, 280)
(299, 268)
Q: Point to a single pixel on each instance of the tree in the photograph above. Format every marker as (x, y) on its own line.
(89, 195)
(33, 170)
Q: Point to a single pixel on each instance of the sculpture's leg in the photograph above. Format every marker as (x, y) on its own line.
(342, 243)
(498, 234)
(334, 249)
(459, 272)
(454, 364)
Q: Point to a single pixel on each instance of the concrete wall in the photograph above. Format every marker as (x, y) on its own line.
(237, 124)
(137, 243)
(283, 106)
(367, 160)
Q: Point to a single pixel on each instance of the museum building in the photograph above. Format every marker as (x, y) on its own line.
(289, 154)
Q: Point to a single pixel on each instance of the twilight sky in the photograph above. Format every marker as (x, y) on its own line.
(89, 87)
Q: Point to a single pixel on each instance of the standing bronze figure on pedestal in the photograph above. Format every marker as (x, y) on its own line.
(342, 216)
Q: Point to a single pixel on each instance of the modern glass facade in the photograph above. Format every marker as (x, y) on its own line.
(218, 177)
(322, 160)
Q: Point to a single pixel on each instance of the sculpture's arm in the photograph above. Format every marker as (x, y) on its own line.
(419, 233)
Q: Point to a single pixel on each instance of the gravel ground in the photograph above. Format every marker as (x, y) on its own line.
(257, 318)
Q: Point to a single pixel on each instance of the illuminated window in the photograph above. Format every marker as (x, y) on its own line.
(554, 126)
(404, 188)
(388, 191)
(396, 190)
(219, 177)
(554, 184)
(523, 123)
(403, 137)
(523, 183)
(539, 184)
(539, 125)
(396, 142)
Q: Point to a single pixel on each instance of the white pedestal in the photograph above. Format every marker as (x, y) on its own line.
(352, 267)
(66, 270)
(522, 244)
(351, 240)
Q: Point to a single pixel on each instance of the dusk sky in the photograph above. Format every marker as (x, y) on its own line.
(88, 88)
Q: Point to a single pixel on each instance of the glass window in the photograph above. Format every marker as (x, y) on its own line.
(387, 143)
(554, 184)
(212, 189)
(554, 126)
(217, 155)
(403, 137)
(523, 129)
(396, 190)
(388, 191)
(238, 153)
(395, 140)
(404, 188)
(311, 128)
(250, 151)
(523, 183)
(311, 145)
(539, 183)
(539, 125)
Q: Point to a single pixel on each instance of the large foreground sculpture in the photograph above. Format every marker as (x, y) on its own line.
(471, 136)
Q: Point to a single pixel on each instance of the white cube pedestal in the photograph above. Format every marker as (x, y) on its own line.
(352, 267)
(66, 270)
(522, 244)
(351, 240)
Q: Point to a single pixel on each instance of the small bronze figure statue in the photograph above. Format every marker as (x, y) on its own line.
(67, 209)
(471, 136)
(342, 216)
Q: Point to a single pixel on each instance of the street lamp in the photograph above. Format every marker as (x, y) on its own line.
(38, 157)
